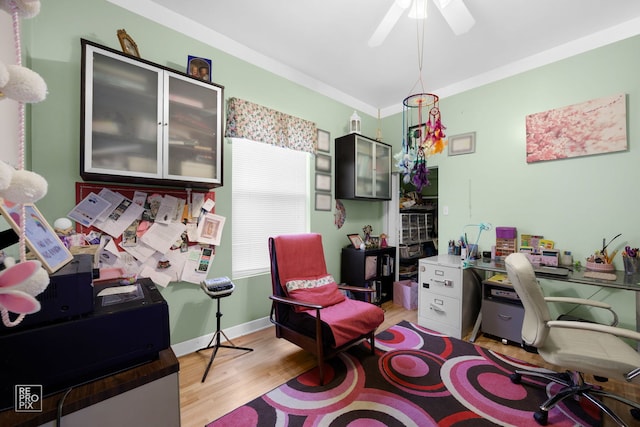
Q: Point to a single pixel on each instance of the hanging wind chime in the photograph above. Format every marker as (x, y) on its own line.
(422, 129)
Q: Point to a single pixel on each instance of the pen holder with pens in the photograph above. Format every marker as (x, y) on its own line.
(631, 265)
(631, 260)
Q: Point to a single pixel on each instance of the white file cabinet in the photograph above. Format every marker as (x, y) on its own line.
(449, 296)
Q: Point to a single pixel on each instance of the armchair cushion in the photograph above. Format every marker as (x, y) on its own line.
(323, 291)
(344, 325)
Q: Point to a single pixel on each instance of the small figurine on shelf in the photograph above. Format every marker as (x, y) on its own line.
(383, 240)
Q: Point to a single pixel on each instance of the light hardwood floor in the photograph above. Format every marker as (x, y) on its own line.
(237, 377)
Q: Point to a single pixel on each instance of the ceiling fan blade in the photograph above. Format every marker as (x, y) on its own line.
(388, 22)
(457, 15)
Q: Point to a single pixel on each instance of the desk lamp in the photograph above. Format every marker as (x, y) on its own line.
(481, 227)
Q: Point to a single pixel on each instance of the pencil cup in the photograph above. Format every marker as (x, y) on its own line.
(631, 265)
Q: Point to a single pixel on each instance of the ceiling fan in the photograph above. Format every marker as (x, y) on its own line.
(454, 12)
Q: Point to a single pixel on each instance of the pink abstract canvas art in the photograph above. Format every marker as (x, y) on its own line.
(592, 127)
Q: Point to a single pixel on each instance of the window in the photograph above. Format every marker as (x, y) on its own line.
(270, 196)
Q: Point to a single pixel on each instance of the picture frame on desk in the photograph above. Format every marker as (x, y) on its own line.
(355, 240)
(41, 239)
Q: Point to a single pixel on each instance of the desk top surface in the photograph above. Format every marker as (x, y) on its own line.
(623, 281)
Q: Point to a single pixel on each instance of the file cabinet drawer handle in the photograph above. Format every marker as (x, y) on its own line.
(436, 308)
(505, 317)
(446, 282)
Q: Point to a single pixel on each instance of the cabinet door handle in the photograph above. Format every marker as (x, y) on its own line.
(505, 317)
(436, 308)
(448, 283)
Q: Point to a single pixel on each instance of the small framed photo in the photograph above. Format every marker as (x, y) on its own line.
(324, 141)
(41, 238)
(323, 182)
(199, 68)
(464, 143)
(374, 241)
(128, 45)
(355, 240)
(323, 201)
(323, 163)
(210, 229)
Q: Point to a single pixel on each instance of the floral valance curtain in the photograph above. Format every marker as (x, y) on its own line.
(257, 123)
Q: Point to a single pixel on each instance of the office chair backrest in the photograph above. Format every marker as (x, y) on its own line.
(536, 311)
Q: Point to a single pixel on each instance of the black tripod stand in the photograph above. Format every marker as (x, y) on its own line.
(216, 337)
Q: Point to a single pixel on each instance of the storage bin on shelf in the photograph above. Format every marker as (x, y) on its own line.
(506, 238)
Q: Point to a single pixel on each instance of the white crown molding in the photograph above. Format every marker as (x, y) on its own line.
(170, 19)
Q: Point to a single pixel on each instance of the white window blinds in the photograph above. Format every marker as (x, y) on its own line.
(270, 196)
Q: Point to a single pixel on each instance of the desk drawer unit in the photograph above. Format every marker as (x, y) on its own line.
(502, 320)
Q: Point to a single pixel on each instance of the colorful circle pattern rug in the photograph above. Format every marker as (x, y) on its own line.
(417, 378)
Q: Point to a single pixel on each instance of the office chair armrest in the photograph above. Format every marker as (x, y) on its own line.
(589, 302)
(356, 288)
(620, 332)
(295, 302)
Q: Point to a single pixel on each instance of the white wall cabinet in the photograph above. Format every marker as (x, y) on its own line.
(144, 123)
(448, 296)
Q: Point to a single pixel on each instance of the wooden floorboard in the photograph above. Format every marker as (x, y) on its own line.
(237, 377)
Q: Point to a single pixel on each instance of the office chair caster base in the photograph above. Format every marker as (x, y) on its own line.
(515, 378)
(541, 417)
(635, 413)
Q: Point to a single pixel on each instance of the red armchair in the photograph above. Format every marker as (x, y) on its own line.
(308, 307)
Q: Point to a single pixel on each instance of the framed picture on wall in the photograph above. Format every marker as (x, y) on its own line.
(323, 201)
(323, 163)
(462, 144)
(323, 182)
(324, 141)
(40, 237)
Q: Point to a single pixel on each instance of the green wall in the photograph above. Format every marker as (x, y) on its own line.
(575, 202)
(51, 42)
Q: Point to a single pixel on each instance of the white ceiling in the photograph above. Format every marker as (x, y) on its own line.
(322, 44)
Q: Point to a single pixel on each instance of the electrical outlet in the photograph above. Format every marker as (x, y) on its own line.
(445, 210)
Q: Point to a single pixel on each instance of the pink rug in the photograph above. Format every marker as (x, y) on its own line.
(417, 378)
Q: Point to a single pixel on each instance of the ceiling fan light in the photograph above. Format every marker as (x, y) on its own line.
(418, 9)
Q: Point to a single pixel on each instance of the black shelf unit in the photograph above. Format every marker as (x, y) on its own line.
(374, 268)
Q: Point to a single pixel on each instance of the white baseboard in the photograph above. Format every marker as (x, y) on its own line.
(186, 347)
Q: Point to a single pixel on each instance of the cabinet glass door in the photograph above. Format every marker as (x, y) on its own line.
(191, 137)
(122, 117)
(364, 168)
(382, 169)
